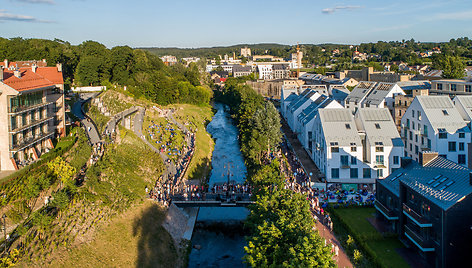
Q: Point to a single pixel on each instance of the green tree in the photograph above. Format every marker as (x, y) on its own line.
(266, 121)
(452, 67)
(62, 170)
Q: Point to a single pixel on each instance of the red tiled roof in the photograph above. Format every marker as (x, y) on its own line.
(23, 64)
(44, 77)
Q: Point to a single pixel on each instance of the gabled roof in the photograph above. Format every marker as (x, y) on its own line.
(441, 181)
(377, 95)
(379, 126)
(303, 99)
(339, 127)
(466, 103)
(310, 116)
(412, 85)
(311, 107)
(338, 92)
(441, 113)
(360, 91)
(43, 77)
(240, 68)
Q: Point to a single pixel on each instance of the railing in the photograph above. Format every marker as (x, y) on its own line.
(417, 218)
(421, 242)
(29, 141)
(30, 125)
(16, 110)
(388, 213)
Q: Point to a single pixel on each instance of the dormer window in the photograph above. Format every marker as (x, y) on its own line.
(445, 112)
(348, 126)
(377, 125)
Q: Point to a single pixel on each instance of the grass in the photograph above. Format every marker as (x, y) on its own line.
(384, 248)
(197, 118)
(141, 242)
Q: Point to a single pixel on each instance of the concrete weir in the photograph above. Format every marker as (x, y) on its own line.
(180, 223)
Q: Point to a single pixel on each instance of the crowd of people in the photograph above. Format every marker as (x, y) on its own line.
(168, 146)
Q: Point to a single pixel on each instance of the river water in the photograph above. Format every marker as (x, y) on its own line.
(221, 247)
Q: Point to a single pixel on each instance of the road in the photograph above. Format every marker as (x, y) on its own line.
(90, 128)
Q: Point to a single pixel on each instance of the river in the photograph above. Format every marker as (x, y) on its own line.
(222, 245)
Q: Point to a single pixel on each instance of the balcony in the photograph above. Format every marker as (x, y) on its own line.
(415, 217)
(17, 110)
(425, 245)
(388, 213)
(379, 164)
(29, 141)
(30, 125)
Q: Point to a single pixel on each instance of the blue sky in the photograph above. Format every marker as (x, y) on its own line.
(193, 23)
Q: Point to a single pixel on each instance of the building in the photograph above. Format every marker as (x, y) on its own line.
(298, 105)
(464, 106)
(189, 60)
(451, 87)
(356, 150)
(32, 113)
(373, 94)
(433, 123)
(169, 60)
(429, 205)
(402, 102)
(318, 79)
(245, 52)
(281, 71)
(239, 70)
(338, 93)
(368, 74)
(23, 64)
(226, 67)
(265, 71)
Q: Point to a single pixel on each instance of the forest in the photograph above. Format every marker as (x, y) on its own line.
(92, 64)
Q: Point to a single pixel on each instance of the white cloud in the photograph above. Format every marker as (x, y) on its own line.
(4, 16)
(331, 10)
(461, 15)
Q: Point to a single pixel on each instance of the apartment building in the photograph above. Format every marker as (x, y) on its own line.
(433, 123)
(239, 70)
(265, 71)
(32, 113)
(298, 105)
(245, 52)
(356, 150)
(281, 71)
(429, 205)
(402, 102)
(451, 87)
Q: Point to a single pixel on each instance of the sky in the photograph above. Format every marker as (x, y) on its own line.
(207, 23)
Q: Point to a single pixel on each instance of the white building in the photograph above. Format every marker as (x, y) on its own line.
(245, 52)
(265, 71)
(356, 151)
(298, 105)
(433, 123)
(287, 95)
(373, 94)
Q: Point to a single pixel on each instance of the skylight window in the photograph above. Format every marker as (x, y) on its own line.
(377, 125)
(445, 112)
(348, 126)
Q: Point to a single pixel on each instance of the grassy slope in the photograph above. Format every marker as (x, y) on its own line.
(198, 116)
(142, 242)
(383, 247)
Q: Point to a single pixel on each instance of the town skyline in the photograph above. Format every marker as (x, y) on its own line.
(195, 25)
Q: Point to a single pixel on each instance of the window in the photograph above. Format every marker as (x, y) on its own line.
(452, 146)
(396, 160)
(468, 88)
(377, 126)
(445, 112)
(416, 138)
(379, 159)
(461, 146)
(440, 86)
(419, 115)
(453, 87)
(335, 173)
(353, 149)
(353, 160)
(366, 174)
(425, 130)
(443, 156)
(408, 123)
(461, 159)
(348, 126)
(380, 173)
(411, 135)
(411, 147)
(422, 140)
(425, 209)
(461, 135)
(413, 125)
(335, 149)
(344, 160)
(416, 149)
(413, 113)
(442, 135)
(379, 149)
(354, 173)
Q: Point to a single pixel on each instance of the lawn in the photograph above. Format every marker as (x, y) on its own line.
(384, 248)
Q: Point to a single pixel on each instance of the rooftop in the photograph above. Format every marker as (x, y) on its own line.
(441, 113)
(339, 127)
(43, 77)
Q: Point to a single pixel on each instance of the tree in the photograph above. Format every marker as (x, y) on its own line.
(266, 121)
(63, 170)
(452, 67)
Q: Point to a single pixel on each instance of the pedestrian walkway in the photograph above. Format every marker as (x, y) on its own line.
(307, 163)
(90, 129)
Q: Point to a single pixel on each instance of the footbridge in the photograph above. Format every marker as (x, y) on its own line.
(213, 200)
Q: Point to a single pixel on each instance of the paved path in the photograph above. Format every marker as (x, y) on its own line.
(90, 128)
(300, 152)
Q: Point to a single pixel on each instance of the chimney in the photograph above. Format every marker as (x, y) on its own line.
(5, 63)
(59, 67)
(17, 73)
(34, 67)
(426, 157)
(1, 74)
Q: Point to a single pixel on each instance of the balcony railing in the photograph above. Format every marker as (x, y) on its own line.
(415, 217)
(30, 125)
(388, 213)
(28, 141)
(425, 245)
(17, 110)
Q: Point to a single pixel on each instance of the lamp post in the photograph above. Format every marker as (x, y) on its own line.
(4, 217)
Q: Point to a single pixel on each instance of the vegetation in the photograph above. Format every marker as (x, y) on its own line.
(452, 66)
(280, 221)
(91, 63)
(366, 246)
